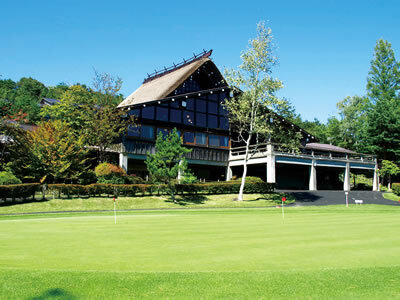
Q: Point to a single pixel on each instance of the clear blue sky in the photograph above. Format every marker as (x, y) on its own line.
(325, 47)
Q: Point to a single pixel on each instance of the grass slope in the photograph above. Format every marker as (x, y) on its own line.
(317, 253)
(147, 202)
(391, 196)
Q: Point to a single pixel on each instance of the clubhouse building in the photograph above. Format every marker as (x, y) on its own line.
(188, 97)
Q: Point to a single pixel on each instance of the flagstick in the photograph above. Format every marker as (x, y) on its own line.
(115, 213)
(283, 213)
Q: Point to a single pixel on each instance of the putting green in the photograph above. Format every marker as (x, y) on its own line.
(181, 253)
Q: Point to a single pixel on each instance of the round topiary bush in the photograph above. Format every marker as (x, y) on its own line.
(8, 178)
(109, 173)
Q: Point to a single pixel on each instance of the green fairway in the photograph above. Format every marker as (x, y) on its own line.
(316, 253)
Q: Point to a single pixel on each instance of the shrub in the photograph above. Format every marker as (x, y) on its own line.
(110, 174)
(19, 190)
(250, 179)
(396, 188)
(105, 169)
(8, 178)
(133, 179)
(88, 177)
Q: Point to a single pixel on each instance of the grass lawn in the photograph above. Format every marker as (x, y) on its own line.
(328, 252)
(391, 196)
(147, 202)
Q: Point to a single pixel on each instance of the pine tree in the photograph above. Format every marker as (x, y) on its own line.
(383, 129)
(168, 161)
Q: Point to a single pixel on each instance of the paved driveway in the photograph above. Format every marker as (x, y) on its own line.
(305, 198)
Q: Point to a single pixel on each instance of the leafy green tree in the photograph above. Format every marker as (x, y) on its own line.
(382, 135)
(104, 123)
(250, 110)
(315, 127)
(72, 108)
(56, 92)
(168, 161)
(28, 95)
(387, 170)
(50, 150)
(353, 112)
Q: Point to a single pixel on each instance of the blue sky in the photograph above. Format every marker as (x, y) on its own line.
(324, 47)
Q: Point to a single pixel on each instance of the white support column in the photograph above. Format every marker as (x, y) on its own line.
(312, 186)
(123, 161)
(271, 175)
(375, 183)
(346, 181)
(228, 174)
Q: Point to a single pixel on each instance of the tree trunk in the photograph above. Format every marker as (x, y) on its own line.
(241, 190)
(389, 184)
(246, 157)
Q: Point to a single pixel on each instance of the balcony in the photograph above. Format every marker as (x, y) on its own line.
(197, 153)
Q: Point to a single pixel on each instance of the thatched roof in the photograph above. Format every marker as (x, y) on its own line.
(161, 87)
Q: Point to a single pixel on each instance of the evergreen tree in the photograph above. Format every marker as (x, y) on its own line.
(382, 136)
(168, 161)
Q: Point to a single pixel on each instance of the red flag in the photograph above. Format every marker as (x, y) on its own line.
(283, 199)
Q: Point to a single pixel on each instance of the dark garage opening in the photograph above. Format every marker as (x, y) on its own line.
(256, 170)
(330, 178)
(292, 177)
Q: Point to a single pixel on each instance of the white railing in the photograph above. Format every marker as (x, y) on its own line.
(302, 152)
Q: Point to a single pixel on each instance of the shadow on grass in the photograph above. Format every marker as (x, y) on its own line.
(54, 294)
(184, 200)
(10, 202)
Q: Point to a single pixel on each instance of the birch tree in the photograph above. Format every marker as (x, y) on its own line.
(252, 109)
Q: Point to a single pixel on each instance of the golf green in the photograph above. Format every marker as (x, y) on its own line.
(316, 252)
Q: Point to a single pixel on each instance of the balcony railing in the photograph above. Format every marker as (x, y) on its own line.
(258, 150)
(197, 153)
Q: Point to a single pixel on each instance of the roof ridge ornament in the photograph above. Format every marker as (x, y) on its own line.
(185, 62)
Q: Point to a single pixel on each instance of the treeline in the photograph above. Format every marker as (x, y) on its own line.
(369, 123)
(21, 99)
(60, 148)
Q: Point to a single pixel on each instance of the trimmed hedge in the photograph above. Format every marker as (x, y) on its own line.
(396, 188)
(21, 191)
(99, 189)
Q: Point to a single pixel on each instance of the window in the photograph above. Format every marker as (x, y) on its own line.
(213, 97)
(176, 115)
(148, 112)
(134, 112)
(147, 132)
(201, 138)
(213, 140)
(212, 121)
(188, 137)
(222, 111)
(224, 141)
(184, 104)
(174, 104)
(188, 118)
(201, 120)
(213, 107)
(223, 123)
(164, 131)
(201, 105)
(190, 104)
(162, 114)
(133, 131)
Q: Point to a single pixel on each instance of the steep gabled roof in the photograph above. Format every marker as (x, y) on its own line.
(160, 86)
